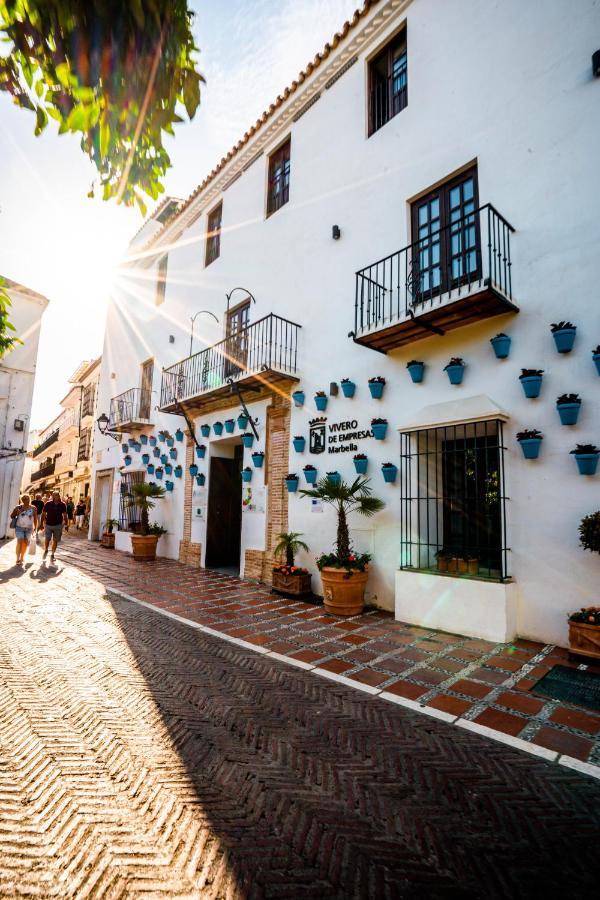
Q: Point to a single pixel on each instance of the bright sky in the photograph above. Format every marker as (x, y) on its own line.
(58, 242)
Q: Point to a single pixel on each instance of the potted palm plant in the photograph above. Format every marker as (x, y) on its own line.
(108, 538)
(143, 498)
(343, 572)
(287, 577)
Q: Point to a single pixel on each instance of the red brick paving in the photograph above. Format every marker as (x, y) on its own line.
(500, 678)
(563, 742)
(501, 721)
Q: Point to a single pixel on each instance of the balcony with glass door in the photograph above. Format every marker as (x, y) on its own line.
(131, 409)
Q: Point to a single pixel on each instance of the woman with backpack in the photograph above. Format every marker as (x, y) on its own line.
(25, 520)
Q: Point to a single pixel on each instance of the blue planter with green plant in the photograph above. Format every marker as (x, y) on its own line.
(173, 453)
(564, 336)
(348, 387)
(586, 457)
(178, 472)
(124, 447)
(501, 344)
(152, 441)
(531, 382)
(163, 458)
(159, 473)
(242, 421)
(170, 442)
(229, 426)
(193, 470)
(390, 472)
(568, 406)
(247, 474)
(379, 428)
(143, 438)
(455, 370)
(298, 397)
(205, 430)
(596, 358)
(247, 439)
(334, 477)
(530, 442)
(291, 482)
(310, 474)
(376, 386)
(179, 435)
(321, 401)
(200, 451)
(361, 463)
(168, 468)
(145, 458)
(299, 443)
(201, 479)
(150, 469)
(416, 370)
(127, 460)
(169, 486)
(156, 453)
(218, 428)
(258, 458)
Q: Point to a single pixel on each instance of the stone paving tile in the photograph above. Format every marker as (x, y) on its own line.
(501, 721)
(464, 676)
(563, 742)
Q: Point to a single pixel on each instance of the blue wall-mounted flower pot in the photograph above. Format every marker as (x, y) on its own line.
(361, 466)
(379, 431)
(376, 389)
(242, 421)
(201, 479)
(455, 374)
(257, 460)
(532, 385)
(218, 428)
(173, 453)
(168, 468)
(334, 477)
(247, 440)
(145, 458)
(298, 397)
(159, 474)
(292, 485)
(299, 444)
(193, 470)
(137, 446)
(310, 476)
(564, 339)
(587, 463)
(416, 372)
(596, 358)
(531, 447)
(229, 426)
(169, 486)
(205, 430)
(568, 412)
(124, 447)
(163, 458)
(152, 441)
(156, 453)
(151, 469)
(246, 475)
(348, 388)
(501, 345)
(201, 451)
(131, 442)
(127, 460)
(389, 473)
(321, 403)
(178, 472)
(179, 435)
(170, 442)
(143, 438)
(162, 437)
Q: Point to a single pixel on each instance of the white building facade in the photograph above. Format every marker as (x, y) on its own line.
(424, 185)
(17, 377)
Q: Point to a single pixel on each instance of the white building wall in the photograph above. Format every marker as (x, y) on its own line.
(508, 86)
(17, 375)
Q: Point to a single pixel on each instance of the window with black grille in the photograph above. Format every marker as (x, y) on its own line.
(85, 444)
(213, 235)
(161, 279)
(388, 83)
(129, 517)
(453, 517)
(87, 402)
(279, 178)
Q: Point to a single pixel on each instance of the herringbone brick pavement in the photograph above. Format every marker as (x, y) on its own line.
(140, 758)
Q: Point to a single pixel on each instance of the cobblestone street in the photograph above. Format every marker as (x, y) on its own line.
(140, 757)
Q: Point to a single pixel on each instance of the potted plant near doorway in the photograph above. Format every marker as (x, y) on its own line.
(144, 495)
(343, 572)
(108, 538)
(287, 577)
(584, 626)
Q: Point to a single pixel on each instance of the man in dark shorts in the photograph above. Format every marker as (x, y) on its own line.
(39, 505)
(54, 517)
(70, 509)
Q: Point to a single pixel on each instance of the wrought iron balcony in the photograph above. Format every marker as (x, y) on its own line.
(131, 409)
(47, 468)
(262, 356)
(87, 401)
(455, 276)
(51, 439)
(85, 445)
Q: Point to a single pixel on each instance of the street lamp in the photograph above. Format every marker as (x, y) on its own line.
(103, 422)
(193, 319)
(238, 289)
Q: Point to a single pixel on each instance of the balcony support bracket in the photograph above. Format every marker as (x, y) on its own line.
(235, 389)
(188, 422)
(426, 325)
(352, 334)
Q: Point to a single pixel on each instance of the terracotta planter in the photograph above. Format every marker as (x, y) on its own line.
(462, 566)
(108, 540)
(584, 639)
(298, 585)
(343, 592)
(144, 546)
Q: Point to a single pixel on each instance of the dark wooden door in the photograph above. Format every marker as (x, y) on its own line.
(237, 340)
(224, 523)
(146, 389)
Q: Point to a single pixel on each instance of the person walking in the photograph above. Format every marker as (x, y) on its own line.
(54, 517)
(39, 506)
(79, 514)
(26, 520)
(70, 509)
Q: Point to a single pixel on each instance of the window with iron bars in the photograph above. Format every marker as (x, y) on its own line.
(129, 517)
(213, 235)
(388, 83)
(85, 441)
(279, 178)
(453, 504)
(87, 402)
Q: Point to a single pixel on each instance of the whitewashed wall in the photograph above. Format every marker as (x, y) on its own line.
(507, 85)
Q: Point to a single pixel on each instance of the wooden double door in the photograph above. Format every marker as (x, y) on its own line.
(224, 522)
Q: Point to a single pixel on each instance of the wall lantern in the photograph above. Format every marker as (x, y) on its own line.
(336, 233)
(103, 422)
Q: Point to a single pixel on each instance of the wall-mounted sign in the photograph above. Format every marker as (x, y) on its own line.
(335, 437)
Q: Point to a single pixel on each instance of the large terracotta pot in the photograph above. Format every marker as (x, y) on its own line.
(108, 540)
(144, 546)
(343, 591)
(298, 585)
(584, 639)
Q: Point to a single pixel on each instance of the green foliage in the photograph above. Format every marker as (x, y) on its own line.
(118, 73)
(289, 545)
(345, 497)
(589, 532)
(7, 341)
(110, 525)
(143, 497)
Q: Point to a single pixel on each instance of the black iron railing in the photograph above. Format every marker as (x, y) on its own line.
(85, 445)
(466, 255)
(270, 343)
(51, 439)
(44, 470)
(134, 405)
